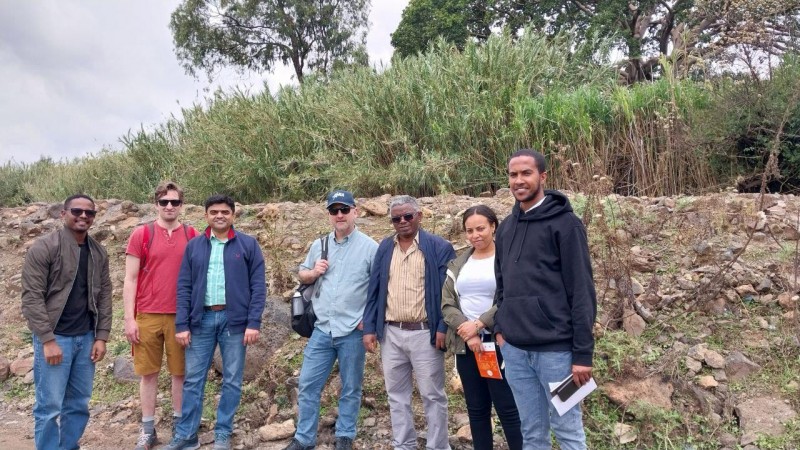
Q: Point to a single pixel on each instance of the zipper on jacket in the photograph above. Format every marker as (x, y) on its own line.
(90, 290)
(74, 277)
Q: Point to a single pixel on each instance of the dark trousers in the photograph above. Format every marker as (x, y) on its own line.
(480, 393)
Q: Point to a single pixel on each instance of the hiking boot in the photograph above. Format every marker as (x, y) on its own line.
(222, 442)
(343, 443)
(183, 444)
(146, 440)
(295, 445)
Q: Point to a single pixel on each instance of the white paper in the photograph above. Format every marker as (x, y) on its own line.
(573, 400)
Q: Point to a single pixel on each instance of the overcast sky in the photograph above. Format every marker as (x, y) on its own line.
(76, 75)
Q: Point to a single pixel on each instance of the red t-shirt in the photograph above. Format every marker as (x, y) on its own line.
(158, 281)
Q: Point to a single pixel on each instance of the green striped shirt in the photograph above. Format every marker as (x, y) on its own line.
(215, 279)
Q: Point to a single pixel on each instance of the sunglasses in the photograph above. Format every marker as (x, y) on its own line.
(174, 202)
(344, 209)
(407, 217)
(77, 212)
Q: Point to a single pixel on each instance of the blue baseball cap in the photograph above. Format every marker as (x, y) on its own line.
(340, 196)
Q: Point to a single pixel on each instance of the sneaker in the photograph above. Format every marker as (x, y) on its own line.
(222, 442)
(183, 444)
(146, 440)
(343, 443)
(295, 445)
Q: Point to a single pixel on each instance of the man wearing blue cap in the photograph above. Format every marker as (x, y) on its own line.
(339, 305)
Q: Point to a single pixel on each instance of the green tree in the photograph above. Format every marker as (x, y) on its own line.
(312, 35)
(425, 20)
(692, 33)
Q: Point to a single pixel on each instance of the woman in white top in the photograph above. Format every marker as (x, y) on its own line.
(467, 306)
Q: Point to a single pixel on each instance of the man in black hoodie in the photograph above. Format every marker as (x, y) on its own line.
(546, 302)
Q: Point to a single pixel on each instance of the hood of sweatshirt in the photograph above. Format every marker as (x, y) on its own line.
(555, 204)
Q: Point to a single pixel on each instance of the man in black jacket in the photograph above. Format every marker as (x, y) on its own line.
(546, 302)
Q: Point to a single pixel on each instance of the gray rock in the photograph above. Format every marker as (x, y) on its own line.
(277, 431)
(123, 370)
(697, 352)
(738, 366)
(624, 392)
(714, 359)
(5, 368)
(703, 248)
(693, 365)
(632, 323)
(21, 366)
(764, 286)
(763, 415)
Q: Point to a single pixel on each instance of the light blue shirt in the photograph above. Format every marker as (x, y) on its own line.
(343, 289)
(215, 281)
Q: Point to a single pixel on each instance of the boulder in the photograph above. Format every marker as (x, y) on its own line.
(764, 416)
(277, 431)
(123, 370)
(21, 366)
(632, 323)
(652, 390)
(707, 382)
(464, 434)
(714, 359)
(738, 366)
(5, 368)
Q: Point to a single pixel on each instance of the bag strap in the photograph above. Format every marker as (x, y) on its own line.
(189, 232)
(147, 242)
(324, 242)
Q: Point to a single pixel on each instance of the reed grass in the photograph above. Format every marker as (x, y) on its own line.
(437, 123)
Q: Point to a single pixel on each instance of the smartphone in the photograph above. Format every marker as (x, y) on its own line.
(566, 389)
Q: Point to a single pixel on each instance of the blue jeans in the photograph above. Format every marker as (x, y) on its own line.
(322, 350)
(213, 330)
(529, 374)
(62, 392)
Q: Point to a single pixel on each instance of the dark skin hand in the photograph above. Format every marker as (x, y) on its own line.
(52, 353)
(54, 356)
(440, 340)
(370, 342)
(580, 374)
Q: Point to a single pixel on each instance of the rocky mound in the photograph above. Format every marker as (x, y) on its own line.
(697, 335)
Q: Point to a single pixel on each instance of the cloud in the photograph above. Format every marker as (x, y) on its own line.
(78, 75)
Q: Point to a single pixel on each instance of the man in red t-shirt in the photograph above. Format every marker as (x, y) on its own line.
(153, 260)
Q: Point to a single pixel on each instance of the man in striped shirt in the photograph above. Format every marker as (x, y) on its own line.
(404, 313)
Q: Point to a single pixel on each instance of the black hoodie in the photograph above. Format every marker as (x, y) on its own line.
(545, 293)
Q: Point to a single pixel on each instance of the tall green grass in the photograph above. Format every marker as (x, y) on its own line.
(442, 122)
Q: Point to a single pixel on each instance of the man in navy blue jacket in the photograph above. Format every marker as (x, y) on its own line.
(221, 295)
(546, 303)
(404, 313)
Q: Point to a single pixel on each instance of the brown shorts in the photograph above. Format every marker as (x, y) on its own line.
(157, 333)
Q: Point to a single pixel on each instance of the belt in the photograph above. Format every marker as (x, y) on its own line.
(414, 326)
(214, 308)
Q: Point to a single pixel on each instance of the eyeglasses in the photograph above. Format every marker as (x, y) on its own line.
(407, 217)
(174, 202)
(77, 212)
(345, 210)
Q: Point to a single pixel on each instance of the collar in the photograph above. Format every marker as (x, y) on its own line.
(416, 239)
(209, 234)
(538, 204)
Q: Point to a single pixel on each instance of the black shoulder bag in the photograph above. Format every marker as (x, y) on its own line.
(303, 316)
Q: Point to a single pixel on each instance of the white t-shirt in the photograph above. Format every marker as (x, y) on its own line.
(476, 286)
